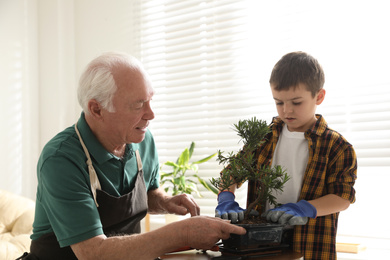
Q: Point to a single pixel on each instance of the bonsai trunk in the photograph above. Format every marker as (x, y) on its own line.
(260, 200)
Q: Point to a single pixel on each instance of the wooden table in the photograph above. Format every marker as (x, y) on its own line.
(199, 255)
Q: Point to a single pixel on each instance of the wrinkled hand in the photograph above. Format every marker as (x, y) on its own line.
(292, 213)
(228, 208)
(181, 205)
(204, 232)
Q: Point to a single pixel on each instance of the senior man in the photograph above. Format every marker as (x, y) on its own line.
(98, 178)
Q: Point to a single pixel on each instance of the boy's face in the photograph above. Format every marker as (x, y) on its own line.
(297, 107)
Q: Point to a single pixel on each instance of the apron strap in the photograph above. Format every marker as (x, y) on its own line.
(95, 184)
(139, 161)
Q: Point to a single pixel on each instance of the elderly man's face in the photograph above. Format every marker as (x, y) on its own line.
(131, 102)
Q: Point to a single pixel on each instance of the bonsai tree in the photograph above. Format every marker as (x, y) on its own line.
(178, 178)
(242, 166)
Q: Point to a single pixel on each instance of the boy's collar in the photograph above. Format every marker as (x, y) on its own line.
(318, 128)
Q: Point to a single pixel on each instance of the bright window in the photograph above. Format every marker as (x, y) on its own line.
(210, 63)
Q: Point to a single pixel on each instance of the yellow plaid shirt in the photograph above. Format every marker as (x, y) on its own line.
(331, 169)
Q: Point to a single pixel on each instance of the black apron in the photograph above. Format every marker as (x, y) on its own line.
(119, 215)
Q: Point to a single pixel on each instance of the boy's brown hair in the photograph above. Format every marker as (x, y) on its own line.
(297, 68)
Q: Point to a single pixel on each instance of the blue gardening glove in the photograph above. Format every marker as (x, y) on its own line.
(227, 208)
(292, 213)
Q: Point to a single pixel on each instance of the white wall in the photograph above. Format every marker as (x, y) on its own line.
(101, 25)
(44, 46)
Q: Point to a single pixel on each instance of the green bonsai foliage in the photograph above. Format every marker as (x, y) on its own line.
(243, 166)
(177, 179)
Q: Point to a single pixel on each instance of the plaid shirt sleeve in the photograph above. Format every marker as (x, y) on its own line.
(343, 170)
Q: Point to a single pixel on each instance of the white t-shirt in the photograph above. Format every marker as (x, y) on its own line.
(292, 153)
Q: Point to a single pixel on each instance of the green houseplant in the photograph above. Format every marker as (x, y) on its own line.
(242, 167)
(183, 175)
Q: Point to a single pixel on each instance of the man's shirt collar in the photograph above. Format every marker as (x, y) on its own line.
(95, 148)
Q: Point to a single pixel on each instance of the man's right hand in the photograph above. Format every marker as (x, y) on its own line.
(203, 232)
(228, 208)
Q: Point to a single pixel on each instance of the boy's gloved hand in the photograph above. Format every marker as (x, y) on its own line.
(227, 208)
(292, 213)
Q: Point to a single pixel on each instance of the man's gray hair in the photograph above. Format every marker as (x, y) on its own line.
(97, 81)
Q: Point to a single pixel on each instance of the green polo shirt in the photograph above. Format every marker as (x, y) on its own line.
(64, 201)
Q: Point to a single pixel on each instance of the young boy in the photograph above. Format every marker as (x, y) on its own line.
(321, 163)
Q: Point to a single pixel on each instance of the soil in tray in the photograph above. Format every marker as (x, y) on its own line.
(255, 220)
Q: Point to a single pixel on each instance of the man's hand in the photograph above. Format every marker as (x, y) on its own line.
(204, 232)
(181, 205)
(227, 208)
(159, 202)
(292, 213)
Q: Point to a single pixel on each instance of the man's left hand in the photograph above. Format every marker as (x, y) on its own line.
(181, 205)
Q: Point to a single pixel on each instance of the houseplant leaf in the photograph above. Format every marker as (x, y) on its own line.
(205, 159)
(191, 150)
(207, 185)
(177, 176)
(169, 163)
(184, 157)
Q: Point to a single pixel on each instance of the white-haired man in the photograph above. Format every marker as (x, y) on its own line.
(98, 178)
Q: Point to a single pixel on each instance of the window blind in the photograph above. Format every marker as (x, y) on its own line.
(210, 63)
(193, 52)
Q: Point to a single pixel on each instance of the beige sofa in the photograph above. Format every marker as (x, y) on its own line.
(16, 218)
